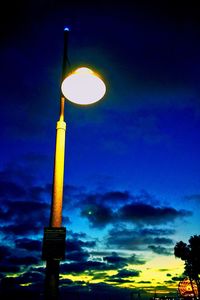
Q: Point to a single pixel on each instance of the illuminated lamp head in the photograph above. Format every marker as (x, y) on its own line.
(83, 86)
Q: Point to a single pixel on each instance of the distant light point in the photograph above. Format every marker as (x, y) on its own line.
(66, 29)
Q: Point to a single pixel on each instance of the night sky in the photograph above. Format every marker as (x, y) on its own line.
(132, 183)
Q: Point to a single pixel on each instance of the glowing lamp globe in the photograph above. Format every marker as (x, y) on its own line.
(83, 87)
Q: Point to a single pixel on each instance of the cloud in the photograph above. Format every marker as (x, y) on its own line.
(177, 278)
(110, 262)
(4, 252)
(193, 197)
(32, 282)
(78, 256)
(121, 261)
(101, 209)
(68, 268)
(138, 238)
(18, 173)
(76, 244)
(74, 251)
(77, 235)
(124, 276)
(135, 260)
(26, 211)
(98, 215)
(156, 231)
(74, 195)
(11, 190)
(123, 207)
(147, 214)
(19, 180)
(128, 273)
(28, 244)
(163, 240)
(116, 260)
(66, 281)
(23, 217)
(22, 229)
(13, 259)
(6, 268)
(161, 250)
(25, 260)
(98, 290)
(115, 197)
(110, 198)
(79, 267)
(30, 276)
(23, 206)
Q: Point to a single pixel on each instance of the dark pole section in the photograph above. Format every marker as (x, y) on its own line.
(65, 65)
(52, 280)
(52, 258)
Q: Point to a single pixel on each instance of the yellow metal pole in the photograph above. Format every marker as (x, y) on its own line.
(57, 193)
(53, 265)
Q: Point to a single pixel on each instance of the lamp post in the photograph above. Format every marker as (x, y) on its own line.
(83, 86)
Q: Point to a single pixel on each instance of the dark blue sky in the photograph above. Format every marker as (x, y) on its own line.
(132, 165)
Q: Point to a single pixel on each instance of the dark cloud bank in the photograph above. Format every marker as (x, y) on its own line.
(133, 224)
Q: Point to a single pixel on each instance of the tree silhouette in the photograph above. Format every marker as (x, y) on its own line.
(190, 254)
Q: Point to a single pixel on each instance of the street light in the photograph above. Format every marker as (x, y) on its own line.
(91, 87)
(83, 86)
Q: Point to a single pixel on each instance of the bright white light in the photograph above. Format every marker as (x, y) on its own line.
(83, 86)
